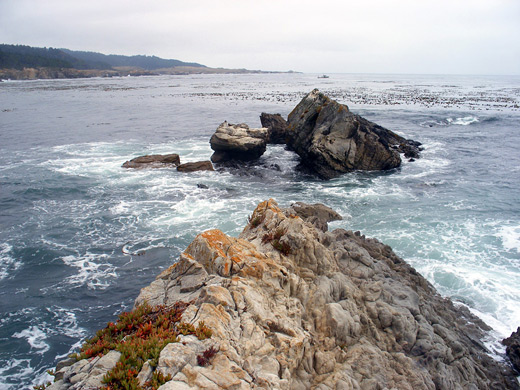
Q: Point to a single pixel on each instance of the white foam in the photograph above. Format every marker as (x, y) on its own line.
(35, 337)
(464, 121)
(23, 370)
(93, 270)
(7, 262)
(510, 236)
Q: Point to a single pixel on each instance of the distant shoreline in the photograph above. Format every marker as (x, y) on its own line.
(71, 73)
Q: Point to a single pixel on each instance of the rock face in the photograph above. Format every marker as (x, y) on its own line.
(277, 127)
(331, 140)
(153, 161)
(196, 166)
(237, 142)
(512, 344)
(293, 306)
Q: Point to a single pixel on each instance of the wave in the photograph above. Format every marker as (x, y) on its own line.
(449, 121)
(510, 236)
(7, 262)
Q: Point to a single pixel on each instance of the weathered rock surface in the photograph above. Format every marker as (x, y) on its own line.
(277, 127)
(84, 374)
(331, 140)
(292, 306)
(512, 344)
(337, 311)
(237, 142)
(196, 166)
(153, 161)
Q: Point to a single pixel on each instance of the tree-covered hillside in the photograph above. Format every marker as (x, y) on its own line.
(139, 61)
(20, 56)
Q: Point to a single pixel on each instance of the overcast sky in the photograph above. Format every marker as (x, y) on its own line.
(320, 36)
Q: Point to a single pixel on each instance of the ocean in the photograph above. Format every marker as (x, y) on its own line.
(80, 236)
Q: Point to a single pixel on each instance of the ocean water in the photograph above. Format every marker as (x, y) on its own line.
(80, 236)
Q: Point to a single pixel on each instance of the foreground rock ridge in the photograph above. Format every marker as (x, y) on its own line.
(294, 306)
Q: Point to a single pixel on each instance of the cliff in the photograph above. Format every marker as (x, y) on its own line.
(291, 305)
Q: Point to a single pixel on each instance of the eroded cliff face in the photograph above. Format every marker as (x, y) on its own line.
(293, 306)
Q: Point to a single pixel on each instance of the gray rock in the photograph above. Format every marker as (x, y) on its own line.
(153, 161)
(196, 166)
(277, 127)
(331, 140)
(237, 142)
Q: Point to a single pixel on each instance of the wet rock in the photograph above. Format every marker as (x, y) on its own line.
(277, 127)
(331, 140)
(237, 142)
(153, 161)
(196, 166)
(512, 344)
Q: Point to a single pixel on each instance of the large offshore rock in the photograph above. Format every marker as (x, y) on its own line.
(237, 142)
(331, 140)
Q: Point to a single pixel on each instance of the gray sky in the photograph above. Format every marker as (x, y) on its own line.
(321, 36)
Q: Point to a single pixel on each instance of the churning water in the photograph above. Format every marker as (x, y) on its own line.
(79, 235)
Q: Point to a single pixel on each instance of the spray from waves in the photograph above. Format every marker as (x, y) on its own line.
(7, 263)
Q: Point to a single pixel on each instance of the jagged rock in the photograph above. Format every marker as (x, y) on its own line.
(317, 214)
(512, 344)
(331, 140)
(196, 166)
(153, 161)
(237, 142)
(337, 310)
(85, 374)
(277, 127)
(291, 306)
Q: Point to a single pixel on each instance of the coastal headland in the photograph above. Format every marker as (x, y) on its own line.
(291, 305)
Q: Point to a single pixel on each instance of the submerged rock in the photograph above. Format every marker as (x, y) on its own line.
(331, 140)
(237, 142)
(153, 161)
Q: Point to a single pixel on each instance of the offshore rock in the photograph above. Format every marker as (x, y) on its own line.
(331, 140)
(153, 161)
(277, 127)
(296, 307)
(196, 166)
(237, 142)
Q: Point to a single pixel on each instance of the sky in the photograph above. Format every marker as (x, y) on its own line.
(319, 36)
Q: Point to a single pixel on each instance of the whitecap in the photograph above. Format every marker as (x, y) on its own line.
(463, 121)
(510, 236)
(7, 262)
(35, 337)
(15, 371)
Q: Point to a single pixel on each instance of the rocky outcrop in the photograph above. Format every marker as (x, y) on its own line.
(153, 161)
(237, 142)
(293, 306)
(512, 344)
(331, 140)
(277, 127)
(196, 166)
